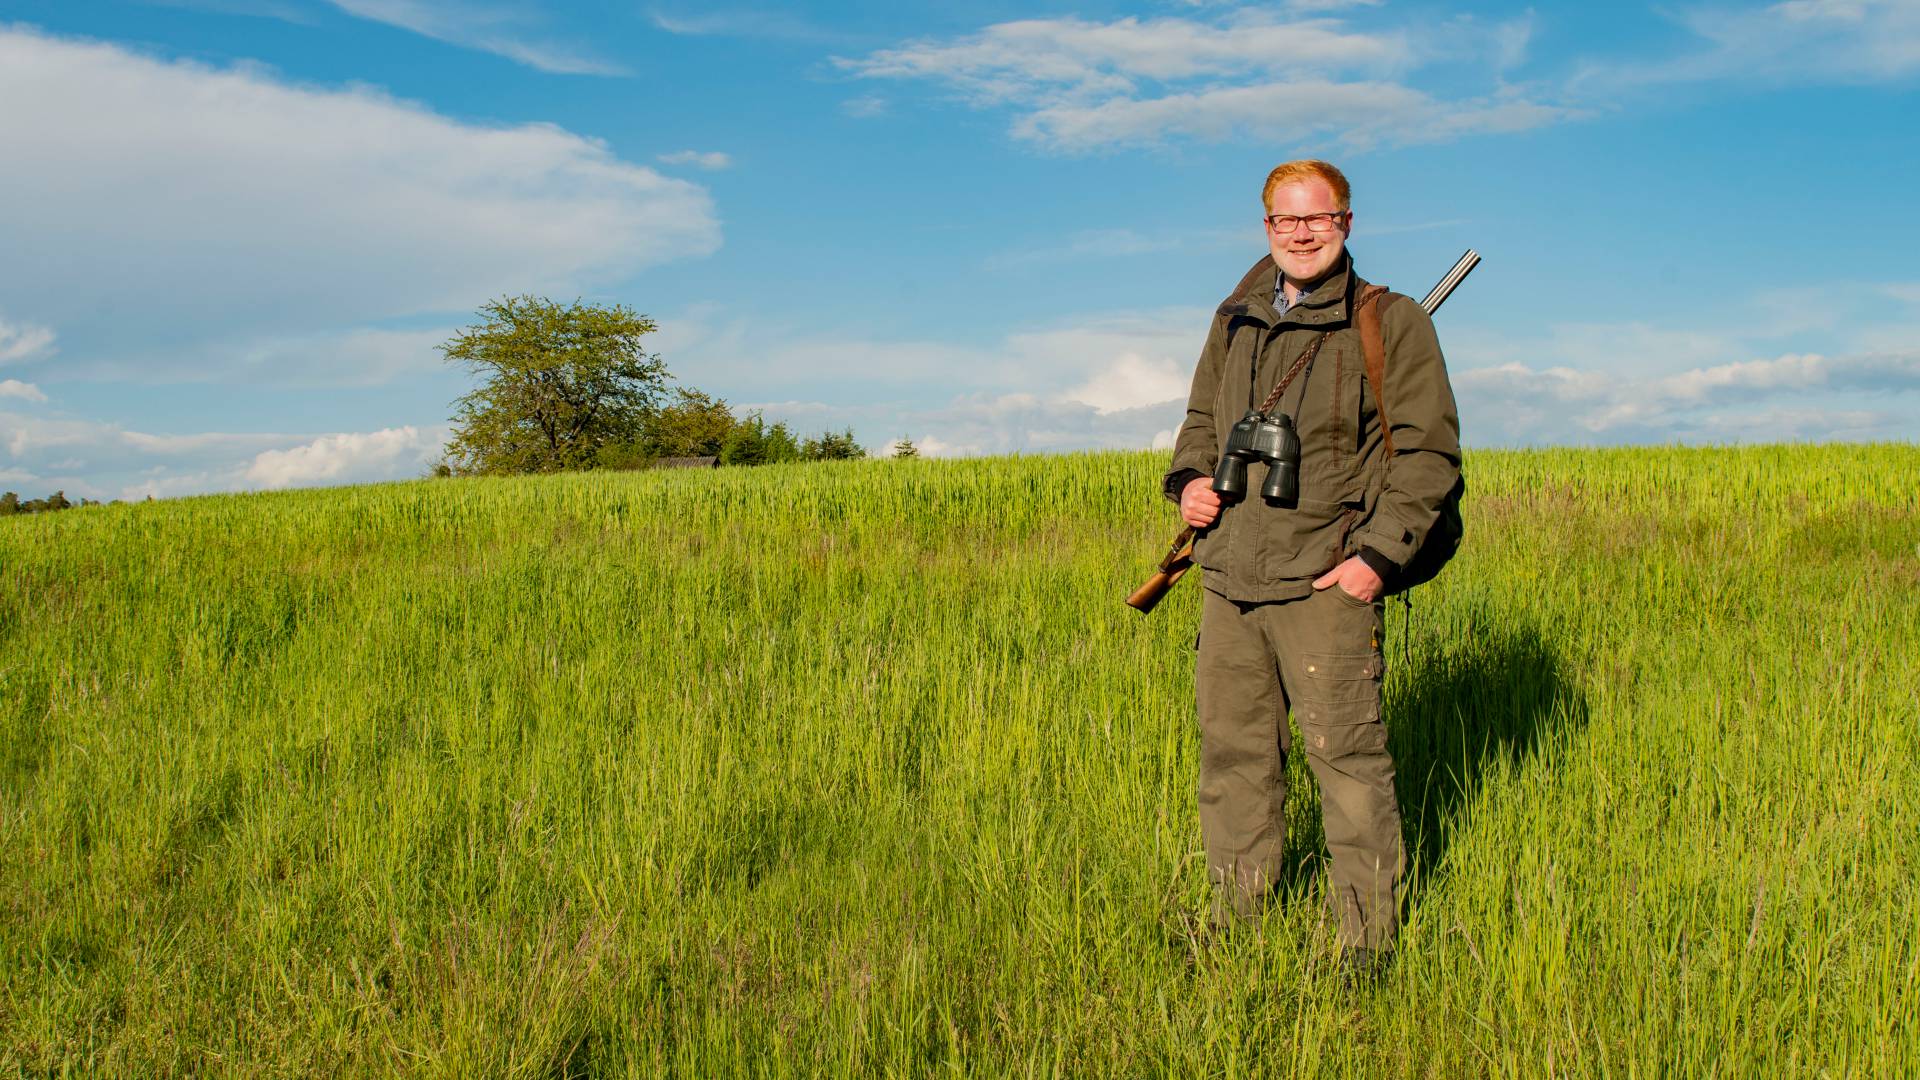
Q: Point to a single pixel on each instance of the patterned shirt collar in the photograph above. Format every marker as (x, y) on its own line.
(1280, 295)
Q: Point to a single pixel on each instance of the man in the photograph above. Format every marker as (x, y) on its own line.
(1292, 613)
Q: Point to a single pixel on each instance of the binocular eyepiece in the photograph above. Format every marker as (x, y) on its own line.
(1258, 437)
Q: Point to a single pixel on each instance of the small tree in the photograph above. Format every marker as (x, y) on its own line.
(904, 448)
(753, 442)
(560, 383)
(9, 504)
(695, 425)
(832, 446)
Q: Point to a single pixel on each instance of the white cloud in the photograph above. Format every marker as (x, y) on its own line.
(975, 424)
(1055, 360)
(741, 22)
(1797, 42)
(1099, 380)
(343, 458)
(1121, 380)
(1329, 5)
(865, 107)
(199, 198)
(1132, 381)
(709, 160)
(14, 388)
(362, 357)
(1034, 57)
(1789, 424)
(1515, 402)
(1080, 85)
(1359, 114)
(1120, 243)
(102, 460)
(23, 342)
(262, 9)
(503, 30)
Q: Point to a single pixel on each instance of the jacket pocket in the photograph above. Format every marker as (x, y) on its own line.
(1302, 541)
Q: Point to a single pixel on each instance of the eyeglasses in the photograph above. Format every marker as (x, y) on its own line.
(1286, 223)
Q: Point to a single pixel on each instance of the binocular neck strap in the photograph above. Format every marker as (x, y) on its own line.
(1306, 357)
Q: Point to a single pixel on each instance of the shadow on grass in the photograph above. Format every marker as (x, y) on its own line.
(1477, 701)
(1468, 701)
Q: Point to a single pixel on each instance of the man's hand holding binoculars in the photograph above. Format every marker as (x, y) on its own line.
(1199, 503)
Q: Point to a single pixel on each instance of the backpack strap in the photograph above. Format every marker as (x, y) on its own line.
(1366, 315)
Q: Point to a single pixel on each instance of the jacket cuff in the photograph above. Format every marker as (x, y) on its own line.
(1386, 568)
(1177, 481)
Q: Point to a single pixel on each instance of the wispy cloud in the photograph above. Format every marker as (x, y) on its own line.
(711, 160)
(865, 107)
(1796, 42)
(283, 10)
(348, 457)
(19, 341)
(975, 424)
(723, 352)
(102, 460)
(1076, 84)
(1356, 114)
(1523, 403)
(1128, 243)
(744, 23)
(24, 391)
(509, 31)
(169, 186)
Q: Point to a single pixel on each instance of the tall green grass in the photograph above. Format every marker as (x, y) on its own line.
(866, 768)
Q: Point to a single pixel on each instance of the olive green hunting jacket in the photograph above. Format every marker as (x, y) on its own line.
(1352, 497)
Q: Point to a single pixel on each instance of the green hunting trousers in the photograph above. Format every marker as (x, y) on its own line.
(1320, 655)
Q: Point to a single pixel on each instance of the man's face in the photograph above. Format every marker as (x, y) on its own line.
(1303, 255)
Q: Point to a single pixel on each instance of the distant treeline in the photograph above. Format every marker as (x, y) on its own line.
(699, 425)
(10, 504)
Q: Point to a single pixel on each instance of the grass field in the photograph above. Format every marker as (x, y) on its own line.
(866, 768)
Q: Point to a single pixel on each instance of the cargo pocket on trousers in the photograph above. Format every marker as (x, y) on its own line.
(1339, 708)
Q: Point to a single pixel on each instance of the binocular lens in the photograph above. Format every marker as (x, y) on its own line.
(1283, 482)
(1230, 480)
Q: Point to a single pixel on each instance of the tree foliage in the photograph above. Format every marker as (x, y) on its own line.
(755, 442)
(10, 504)
(832, 446)
(904, 448)
(695, 425)
(559, 385)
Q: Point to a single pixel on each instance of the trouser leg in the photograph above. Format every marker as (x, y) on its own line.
(1331, 664)
(1243, 744)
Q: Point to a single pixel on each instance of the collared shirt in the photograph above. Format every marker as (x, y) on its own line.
(1280, 295)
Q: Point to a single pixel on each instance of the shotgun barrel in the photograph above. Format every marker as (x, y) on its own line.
(1452, 281)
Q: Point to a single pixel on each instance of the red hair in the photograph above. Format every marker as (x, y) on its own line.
(1293, 172)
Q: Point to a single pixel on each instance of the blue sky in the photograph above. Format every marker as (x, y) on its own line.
(233, 231)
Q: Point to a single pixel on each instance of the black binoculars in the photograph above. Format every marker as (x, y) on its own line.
(1258, 437)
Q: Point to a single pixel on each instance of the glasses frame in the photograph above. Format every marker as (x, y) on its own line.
(1334, 220)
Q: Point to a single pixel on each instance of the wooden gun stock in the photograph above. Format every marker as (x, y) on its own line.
(1178, 560)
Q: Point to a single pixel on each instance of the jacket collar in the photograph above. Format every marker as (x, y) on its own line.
(1327, 305)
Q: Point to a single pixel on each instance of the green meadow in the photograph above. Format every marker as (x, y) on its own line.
(865, 768)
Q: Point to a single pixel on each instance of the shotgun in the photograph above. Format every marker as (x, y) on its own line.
(1179, 557)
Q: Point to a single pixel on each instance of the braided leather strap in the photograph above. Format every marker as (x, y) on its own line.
(1306, 357)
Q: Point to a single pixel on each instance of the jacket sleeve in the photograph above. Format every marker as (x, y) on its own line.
(1196, 449)
(1426, 436)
